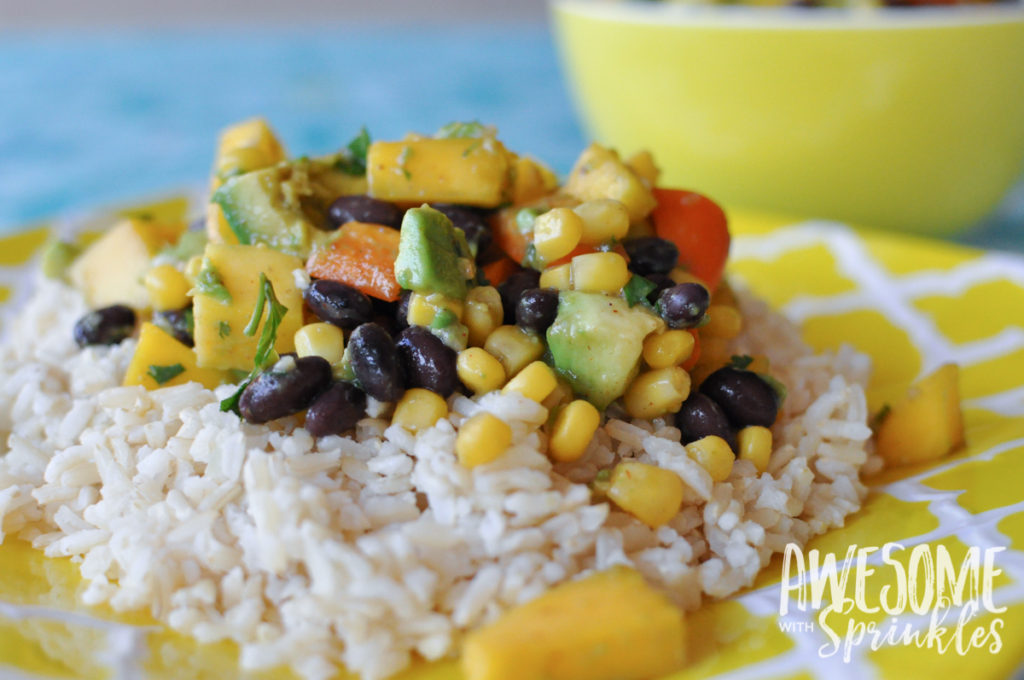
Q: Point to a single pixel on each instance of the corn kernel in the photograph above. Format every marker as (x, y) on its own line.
(424, 308)
(604, 219)
(714, 455)
(483, 313)
(649, 493)
(670, 348)
(759, 364)
(642, 163)
(714, 351)
(657, 392)
(572, 431)
(167, 287)
(559, 277)
(481, 439)
(193, 267)
(755, 443)
(560, 396)
(683, 275)
(419, 409)
(322, 340)
(724, 295)
(556, 233)
(724, 321)
(536, 382)
(479, 371)
(514, 348)
(599, 273)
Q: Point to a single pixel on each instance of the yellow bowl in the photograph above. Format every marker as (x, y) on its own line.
(909, 119)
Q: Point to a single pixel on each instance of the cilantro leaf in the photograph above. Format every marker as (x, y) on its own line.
(162, 374)
(741, 361)
(354, 162)
(208, 282)
(637, 289)
(223, 329)
(459, 130)
(265, 354)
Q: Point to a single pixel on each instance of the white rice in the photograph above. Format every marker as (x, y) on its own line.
(370, 551)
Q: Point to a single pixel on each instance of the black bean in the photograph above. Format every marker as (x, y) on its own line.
(338, 303)
(375, 363)
(683, 305)
(701, 417)
(336, 410)
(402, 310)
(471, 221)
(178, 323)
(651, 255)
(512, 288)
(289, 386)
(537, 309)
(661, 282)
(427, 361)
(106, 326)
(745, 397)
(364, 209)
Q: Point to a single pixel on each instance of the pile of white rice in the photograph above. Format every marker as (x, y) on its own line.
(372, 551)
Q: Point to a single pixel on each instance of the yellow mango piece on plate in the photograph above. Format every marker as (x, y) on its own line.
(470, 171)
(226, 291)
(927, 423)
(608, 626)
(111, 269)
(162, 361)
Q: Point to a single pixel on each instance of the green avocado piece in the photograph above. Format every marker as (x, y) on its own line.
(596, 342)
(284, 206)
(429, 252)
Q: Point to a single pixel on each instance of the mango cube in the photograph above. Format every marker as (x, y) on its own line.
(927, 424)
(158, 355)
(608, 626)
(221, 316)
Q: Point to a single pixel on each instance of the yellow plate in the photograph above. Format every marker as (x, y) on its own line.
(910, 304)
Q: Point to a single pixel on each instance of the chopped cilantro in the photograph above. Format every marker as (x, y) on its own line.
(778, 387)
(403, 158)
(162, 374)
(265, 354)
(882, 414)
(354, 162)
(457, 130)
(209, 283)
(525, 218)
(223, 329)
(741, 361)
(471, 148)
(637, 289)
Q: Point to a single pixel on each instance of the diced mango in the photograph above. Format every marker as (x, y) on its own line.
(600, 173)
(530, 180)
(471, 171)
(243, 147)
(158, 355)
(927, 424)
(111, 270)
(220, 342)
(608, 626)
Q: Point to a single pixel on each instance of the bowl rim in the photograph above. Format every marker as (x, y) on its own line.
(794, 18)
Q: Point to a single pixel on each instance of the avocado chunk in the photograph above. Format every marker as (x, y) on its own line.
(433, 256)
(596, 342)
(284, 205)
